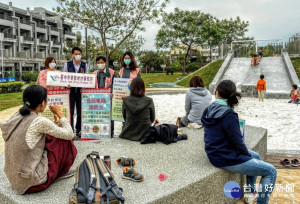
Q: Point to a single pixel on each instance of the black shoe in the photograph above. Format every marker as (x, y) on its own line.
(182, 137)
(78, 134)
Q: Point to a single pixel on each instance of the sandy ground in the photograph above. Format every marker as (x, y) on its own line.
(281, 119)
(276, 115)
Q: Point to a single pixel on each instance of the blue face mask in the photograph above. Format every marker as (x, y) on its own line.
(127, 61)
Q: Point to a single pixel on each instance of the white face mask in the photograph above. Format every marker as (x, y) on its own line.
(52, 65)
(77, 57)
(101, 66)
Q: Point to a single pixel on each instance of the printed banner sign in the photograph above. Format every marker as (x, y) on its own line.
(121, 89)
(72, 79)
(96, 106)
(242, 126)
(60, 98)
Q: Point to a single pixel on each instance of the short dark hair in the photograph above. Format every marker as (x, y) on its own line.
(33, 96)
(196, 81)
(101, 57)
(76, 48)
(137, 87)
(48, 60)
(295, 86)
(227, 90)
(262, 76)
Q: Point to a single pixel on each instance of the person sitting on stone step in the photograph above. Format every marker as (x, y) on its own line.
(37, 151)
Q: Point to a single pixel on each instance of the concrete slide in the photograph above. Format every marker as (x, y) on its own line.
(245, 76)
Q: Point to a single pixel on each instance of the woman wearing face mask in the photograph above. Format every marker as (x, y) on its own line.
(129, 67)
(105, 75)
(50, 64)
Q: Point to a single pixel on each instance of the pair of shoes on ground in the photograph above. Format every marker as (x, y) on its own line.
(129, 172)
(288, 163)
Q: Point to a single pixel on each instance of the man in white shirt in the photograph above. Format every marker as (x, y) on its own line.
(76, 66)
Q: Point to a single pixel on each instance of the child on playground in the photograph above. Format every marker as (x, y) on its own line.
(261, 87)
(295, 95)
(225, 145)
(254, 60)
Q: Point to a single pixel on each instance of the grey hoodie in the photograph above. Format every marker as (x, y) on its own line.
(196, 100)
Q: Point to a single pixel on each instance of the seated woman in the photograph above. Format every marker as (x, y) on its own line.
(225, 145)
(196, 100)
(138, 111)
(37, 151)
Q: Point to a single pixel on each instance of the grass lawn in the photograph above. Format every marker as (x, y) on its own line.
(151, 78)
(296, 64)
(207, 74)
(9, 100)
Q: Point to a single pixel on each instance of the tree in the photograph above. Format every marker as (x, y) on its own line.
(233, 29)
(212, 33)
(182, 28)
(115, 20)
(151, 59)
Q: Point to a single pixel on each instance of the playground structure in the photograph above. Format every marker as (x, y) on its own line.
(279, 75)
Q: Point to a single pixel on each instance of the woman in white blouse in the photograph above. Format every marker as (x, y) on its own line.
(37, 151)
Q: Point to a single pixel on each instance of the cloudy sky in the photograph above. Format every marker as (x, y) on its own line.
(269, 19)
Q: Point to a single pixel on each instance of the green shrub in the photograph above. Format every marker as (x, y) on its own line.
(193, 66)
(175, 65)
(34, 76)
(32, 83)
(29, 76)
(11, 87)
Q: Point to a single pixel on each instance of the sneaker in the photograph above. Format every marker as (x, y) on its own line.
(250, 198)
(131, 174)
(194, 126)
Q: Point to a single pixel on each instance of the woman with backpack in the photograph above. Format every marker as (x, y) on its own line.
(37, 151)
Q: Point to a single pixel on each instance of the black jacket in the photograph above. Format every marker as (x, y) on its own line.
(139, 114)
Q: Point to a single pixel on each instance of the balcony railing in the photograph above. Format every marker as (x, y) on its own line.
(25, 21)
(54, 28)
(5, 17)
(43, 41)
(69, 33)
(27, 38)
(41, 26)
(11, 36)
(56, 43)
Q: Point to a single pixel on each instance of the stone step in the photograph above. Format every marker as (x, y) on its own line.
(191, 177)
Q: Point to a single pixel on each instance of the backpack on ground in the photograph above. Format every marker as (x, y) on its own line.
(94, 183)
